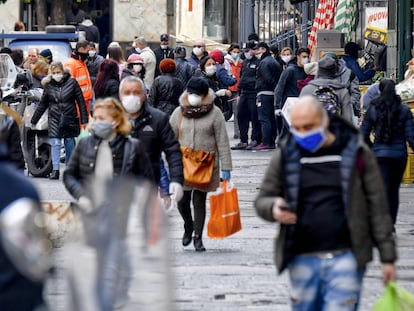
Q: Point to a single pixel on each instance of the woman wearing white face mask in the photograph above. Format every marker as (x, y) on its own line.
(61, 95)
(208, 70)
(135, 67)
(199, 124)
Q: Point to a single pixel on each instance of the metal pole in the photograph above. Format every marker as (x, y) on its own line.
(252, 5)
(304, 24)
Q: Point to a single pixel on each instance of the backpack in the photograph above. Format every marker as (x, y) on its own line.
(329, 99)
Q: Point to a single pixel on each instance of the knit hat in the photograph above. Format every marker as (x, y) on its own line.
(167, 65)
(331, 54)
(47, 54)
(217, 55)
(311, 68)
(197, 86)
(327, 67)
(135, 59)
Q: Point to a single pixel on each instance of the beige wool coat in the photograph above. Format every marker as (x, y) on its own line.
(206, 133)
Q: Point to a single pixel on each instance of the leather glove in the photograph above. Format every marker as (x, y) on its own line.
(85, 204)
(221, 92)
(176, 191)
(225, 175)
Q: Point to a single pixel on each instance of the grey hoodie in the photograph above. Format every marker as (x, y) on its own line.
(340, 90)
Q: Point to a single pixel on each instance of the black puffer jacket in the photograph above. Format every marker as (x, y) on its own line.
(10, 135)
(165, 92)
(61, 99)
(153, 128)
(82, 162)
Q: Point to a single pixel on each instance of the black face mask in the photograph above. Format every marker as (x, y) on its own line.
(83, 56)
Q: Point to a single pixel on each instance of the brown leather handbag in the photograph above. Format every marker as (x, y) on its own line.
(198, 165)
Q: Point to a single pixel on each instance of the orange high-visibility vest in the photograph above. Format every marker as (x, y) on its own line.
(79, 71)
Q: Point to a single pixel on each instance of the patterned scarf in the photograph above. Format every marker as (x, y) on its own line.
(196, 112)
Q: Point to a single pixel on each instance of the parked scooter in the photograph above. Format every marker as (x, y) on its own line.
(23, 102)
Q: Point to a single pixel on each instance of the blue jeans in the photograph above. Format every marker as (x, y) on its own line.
(56, 144)
(266, 111)
(325, 283)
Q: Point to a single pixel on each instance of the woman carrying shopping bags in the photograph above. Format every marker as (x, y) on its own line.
(200, 128)
(63, 96)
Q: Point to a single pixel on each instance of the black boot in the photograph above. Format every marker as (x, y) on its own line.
(54, 174)
(188, 235)
(198, 244)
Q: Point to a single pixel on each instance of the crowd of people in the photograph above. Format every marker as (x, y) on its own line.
(323, 183)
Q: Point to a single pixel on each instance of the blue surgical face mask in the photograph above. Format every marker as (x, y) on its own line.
(248, 55)
(310, 141)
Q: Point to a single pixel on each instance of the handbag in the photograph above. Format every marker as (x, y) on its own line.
(198, 165)
(395, 298)
(224, 212)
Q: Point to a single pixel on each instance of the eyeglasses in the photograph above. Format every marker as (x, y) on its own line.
(198, 46)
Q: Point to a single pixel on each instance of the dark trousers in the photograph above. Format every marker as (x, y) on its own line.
(248, 113)
(199, 203)
(266, 109)
(392, 171)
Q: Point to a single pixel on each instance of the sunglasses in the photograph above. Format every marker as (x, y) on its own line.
(197, 46)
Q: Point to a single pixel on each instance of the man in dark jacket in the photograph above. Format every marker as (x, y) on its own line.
(93, 62)
(17, 292)
(288, 85)
(184, 70)
(162, 52)
(267, 76)
(198, 53)
(152, 127)
(324, 188)
(247, 102)
(91, 31)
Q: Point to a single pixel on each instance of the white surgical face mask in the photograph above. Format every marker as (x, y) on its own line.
(164, 46)
(138, 50)
(197, 51)
(248, 55)
(137, 68)
(194, 100)
(57, 77)
(286, 58)
(259, 55)
(92, 53)
(131, 103)
(211, 70)
(304, 60)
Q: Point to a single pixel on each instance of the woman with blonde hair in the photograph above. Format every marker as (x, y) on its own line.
(108, 153)
(102, 154)
(63, 96)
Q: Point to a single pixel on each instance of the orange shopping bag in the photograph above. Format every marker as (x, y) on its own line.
(224, 212)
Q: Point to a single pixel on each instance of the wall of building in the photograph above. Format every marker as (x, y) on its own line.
(189, 24)
(143, 18)
(8, 19)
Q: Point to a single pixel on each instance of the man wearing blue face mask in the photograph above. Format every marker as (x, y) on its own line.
(324, 187)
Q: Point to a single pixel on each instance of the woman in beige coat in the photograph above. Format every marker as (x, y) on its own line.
(200, 125)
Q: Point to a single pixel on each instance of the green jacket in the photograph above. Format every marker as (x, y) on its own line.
(364, 197)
